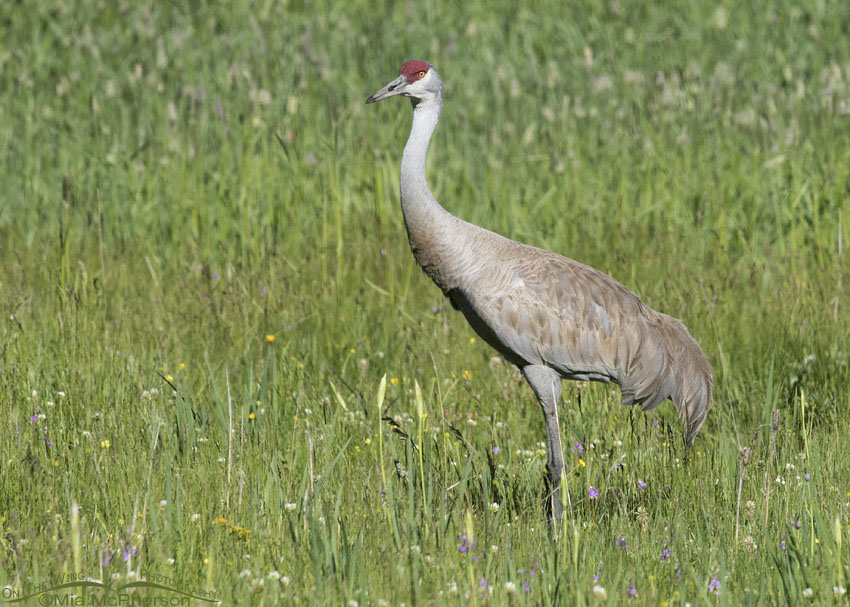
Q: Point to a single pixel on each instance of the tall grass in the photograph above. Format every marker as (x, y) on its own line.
(205, 277)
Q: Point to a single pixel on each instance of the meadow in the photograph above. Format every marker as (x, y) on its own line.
(220, 365)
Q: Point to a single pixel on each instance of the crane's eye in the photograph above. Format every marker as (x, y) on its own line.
(422, 74)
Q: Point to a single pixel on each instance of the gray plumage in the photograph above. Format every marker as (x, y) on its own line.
(551, 316)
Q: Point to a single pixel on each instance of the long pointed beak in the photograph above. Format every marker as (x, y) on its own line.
(393, 88)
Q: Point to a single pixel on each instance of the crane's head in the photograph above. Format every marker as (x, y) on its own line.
(417, 80)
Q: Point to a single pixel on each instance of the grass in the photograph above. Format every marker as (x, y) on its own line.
(181, 182)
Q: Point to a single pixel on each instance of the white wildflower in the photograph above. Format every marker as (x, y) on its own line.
(721, 18)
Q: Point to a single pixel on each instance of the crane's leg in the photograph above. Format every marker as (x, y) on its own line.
(546, 384)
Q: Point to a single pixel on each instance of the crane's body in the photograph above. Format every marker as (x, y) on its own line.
(552, 317)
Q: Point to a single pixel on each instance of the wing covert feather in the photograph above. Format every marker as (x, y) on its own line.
(537, 307)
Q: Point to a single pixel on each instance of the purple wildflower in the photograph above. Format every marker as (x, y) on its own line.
(531, 573)
(465, 544)
(483, 583)
(655, 423)
(496, 450)
(807, 477)
(526, 587)
(595, 578)
(632, 591)
(34, 418)
(593, 493)
(665, 554)
(641, 485)
(621, 542)
(782, 544)
(577, 448)
(128, 552)
(714, 585)
(215, 276)
(105, 558)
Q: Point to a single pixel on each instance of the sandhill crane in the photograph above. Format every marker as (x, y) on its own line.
(552, 317)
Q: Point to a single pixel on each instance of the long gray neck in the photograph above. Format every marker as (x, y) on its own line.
(419, 206)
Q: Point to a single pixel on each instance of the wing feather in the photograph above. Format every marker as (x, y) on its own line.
(537, 307)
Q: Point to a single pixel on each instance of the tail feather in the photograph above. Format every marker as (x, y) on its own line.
(694, 382)
(680, 372)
